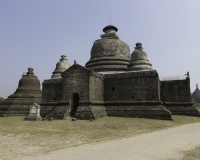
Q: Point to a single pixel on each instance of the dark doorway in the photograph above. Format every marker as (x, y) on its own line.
(74, 104)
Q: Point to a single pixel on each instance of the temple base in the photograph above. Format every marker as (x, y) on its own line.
(32, 118)
(185, 109)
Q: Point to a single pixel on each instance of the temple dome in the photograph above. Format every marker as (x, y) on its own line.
(139, 59)
(28, 82)
(61, 66)
(109, 53)
(27, 93)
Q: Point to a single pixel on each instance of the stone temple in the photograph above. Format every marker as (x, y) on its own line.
(114, 83)
(27, 93)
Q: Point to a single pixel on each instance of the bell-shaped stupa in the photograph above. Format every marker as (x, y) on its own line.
(196, 94)
(61, 66)
(27, 93)
(109, 53)
(139, 59)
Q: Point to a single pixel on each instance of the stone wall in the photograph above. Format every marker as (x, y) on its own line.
(131, 86)
(56, 110)
(52, 90)
(134, 94)
(176, 97)
(176, 91)
(75, 80)
(96, 91)
(139, 110)
(96, 87)
(51, 94)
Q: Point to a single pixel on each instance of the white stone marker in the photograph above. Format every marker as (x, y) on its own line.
(34, 113)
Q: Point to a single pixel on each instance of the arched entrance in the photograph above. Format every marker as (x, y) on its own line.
(74, 104)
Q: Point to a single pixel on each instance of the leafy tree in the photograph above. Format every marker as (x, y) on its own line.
(1, 99)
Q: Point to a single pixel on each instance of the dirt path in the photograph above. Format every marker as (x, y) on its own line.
(164, 144)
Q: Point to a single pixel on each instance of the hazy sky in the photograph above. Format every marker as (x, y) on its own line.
(40, 31)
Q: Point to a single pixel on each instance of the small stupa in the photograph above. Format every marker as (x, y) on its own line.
(139, 59)
(196, 94)
(27, 93)
(61, 66)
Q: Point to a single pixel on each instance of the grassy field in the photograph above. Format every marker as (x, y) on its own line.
(44, 136)
(100, 129)
(197, 105)
(192, 154)
(83, 131)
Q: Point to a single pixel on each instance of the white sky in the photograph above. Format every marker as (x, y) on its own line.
(40, 31)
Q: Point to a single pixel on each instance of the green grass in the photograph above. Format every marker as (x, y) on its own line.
(197, 106)
(57, 134)
(117, 125)
(100, 129)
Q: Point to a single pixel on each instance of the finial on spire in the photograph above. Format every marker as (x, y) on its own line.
(188, 75)
(110, 18)
(63, 57)
(110, 28)
(30, 71)
(75, 64)
(197, 86)
(138, 46)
